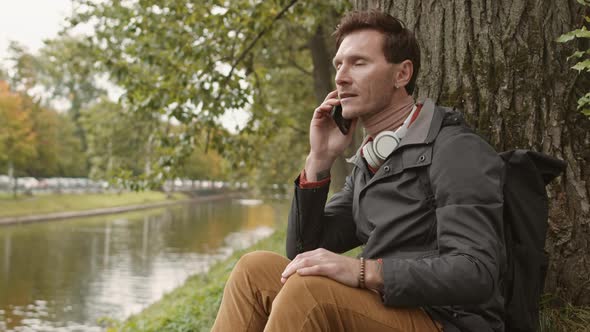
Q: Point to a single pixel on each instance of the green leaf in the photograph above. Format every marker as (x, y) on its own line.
(566, 37)
(584, 101)
(582, 33)
(584, 65)
(576, 55)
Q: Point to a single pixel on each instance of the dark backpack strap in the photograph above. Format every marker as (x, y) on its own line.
(525, 227)
(527, 174)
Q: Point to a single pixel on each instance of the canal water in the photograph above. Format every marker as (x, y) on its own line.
(67, 275)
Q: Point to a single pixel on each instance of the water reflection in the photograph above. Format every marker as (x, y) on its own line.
(63, 276)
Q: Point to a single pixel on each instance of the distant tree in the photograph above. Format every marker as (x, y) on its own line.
(204, 166)
(45, 126)
(67, 71)
(72, 160)
(117, 141)
(25, 68)
(106, 137)
(59, 151)
(61, 72)
(17, 137)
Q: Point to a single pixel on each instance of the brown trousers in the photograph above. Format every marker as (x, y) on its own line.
(255, 300)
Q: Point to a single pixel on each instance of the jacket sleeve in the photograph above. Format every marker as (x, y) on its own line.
(314, 224)
(466, 177)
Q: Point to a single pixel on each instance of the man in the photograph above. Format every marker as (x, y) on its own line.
(424, 200)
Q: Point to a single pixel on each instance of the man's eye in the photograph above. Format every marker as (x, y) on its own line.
(359, 63)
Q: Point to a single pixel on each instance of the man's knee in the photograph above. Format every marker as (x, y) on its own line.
(259, 266)
(298, 303)
(297, 286)
(259, 260)
(317, 285)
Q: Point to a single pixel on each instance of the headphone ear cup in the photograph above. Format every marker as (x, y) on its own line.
(370, 156)
(385, 143)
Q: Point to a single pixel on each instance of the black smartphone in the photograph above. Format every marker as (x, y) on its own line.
(342, 123)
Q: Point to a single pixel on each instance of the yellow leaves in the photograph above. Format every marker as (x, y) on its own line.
(4, 88)
(17, 137)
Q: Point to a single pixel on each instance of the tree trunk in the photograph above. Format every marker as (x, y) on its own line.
(12, 177)
(148, 155)
(323, 84)
(498, 61)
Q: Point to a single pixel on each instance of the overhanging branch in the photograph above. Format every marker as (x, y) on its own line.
(253, 42)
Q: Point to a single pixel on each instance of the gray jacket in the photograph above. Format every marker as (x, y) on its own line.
(432, 212)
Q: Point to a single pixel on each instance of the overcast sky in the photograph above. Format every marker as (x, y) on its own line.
(31, 21)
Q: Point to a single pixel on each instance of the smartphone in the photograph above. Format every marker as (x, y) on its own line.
(342, 123)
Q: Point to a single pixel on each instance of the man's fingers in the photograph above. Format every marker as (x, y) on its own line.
(305, 271)
(310, 271)
(303, 261)
(309, 253)
(332, 94)
(331, 103)
(306, 259)
(328, 104)
(321, 112)
(295, 264)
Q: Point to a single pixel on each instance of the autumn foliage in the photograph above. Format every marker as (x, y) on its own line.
(17, 137)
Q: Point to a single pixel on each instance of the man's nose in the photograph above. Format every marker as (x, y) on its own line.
(342, 76)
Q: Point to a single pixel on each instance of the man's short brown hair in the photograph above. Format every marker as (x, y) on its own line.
(399, 43)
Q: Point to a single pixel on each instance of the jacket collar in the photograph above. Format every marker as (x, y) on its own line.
(423, 131)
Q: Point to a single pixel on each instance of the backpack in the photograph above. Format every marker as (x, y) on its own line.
(525, 227)
(525, 224)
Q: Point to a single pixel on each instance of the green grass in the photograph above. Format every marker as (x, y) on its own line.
(566, 318)
(41, 204)
(193, 306)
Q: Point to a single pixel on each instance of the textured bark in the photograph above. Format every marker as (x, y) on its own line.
(498, 61)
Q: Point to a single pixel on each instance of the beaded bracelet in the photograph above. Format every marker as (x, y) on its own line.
(362, 274)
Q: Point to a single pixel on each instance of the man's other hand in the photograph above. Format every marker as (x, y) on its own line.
(321, 262)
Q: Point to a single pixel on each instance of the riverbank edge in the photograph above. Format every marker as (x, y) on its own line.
(193, 305)
(110, 210)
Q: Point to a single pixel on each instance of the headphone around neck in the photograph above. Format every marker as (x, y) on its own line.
(376, 151)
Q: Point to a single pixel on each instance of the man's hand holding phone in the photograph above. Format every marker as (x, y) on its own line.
(326, 139)
(342, 123)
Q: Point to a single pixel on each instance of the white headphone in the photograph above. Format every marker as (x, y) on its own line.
(385, 142)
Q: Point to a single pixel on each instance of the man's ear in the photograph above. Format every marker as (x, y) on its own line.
(404, 73)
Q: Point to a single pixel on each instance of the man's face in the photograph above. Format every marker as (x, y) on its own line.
(364, 78)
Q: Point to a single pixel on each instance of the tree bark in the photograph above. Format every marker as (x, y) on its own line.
(498, 61)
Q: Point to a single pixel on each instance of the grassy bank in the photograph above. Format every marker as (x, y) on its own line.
(193, 306)
(42, 204)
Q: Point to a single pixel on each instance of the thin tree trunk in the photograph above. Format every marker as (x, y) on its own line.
(148, 155)
(498, 61)
(12, 177)
(323, 84)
